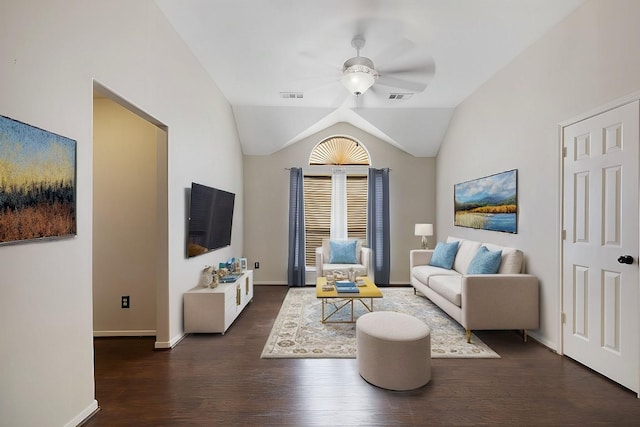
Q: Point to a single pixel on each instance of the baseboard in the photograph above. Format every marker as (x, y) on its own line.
(85, 415)
(140, 333)
(167, 345)
(545, 342)
(272, 282)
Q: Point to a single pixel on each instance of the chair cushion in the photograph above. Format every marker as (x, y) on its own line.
(342, 252)
(326, 250)
(444, 255)
(485, 262)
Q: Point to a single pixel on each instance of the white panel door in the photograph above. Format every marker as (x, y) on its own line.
(600, 250)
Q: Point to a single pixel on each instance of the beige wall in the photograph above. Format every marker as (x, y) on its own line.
(125, 220)
(51, 53)
(412, 195)
(589, 59)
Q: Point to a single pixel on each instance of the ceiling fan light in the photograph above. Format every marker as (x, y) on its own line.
(358, 78)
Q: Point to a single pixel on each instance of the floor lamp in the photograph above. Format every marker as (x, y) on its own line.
(424, 230)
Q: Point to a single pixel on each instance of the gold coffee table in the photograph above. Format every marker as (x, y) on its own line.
(338, 300)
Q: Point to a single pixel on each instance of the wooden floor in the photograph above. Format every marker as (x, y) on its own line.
(215, 380)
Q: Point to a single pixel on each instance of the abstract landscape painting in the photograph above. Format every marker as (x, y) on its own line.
(489, 203)
(37, 183)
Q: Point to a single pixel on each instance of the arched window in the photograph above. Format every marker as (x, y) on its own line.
(352, 157)
(339, 150)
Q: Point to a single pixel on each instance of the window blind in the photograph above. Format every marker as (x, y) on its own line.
(317, 210)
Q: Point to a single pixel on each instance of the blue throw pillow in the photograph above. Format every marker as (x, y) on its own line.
(485, 262)
(444, 255)
(342, 252)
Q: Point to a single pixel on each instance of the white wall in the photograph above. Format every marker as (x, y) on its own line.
(125, 221)
(50, 53)
(511, 122)
(412, 192)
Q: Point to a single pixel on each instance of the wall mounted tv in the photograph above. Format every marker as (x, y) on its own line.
(210, 219)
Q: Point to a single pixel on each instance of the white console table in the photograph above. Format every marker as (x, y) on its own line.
(214, 310)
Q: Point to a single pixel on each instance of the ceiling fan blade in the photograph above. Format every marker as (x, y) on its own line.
(392, 52)
(311, 83)
(401, 84)
(313, 59)
(421, 68)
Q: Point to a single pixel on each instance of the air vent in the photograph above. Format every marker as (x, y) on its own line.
(399, 96)
(291, 95)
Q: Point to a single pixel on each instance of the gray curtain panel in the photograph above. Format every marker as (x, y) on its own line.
(378, 224)
(296, 267)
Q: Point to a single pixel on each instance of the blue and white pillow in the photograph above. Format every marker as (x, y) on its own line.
(444, 255)
(485, 262)
(342, 252)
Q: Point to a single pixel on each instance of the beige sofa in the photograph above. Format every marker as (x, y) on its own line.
(505, 300)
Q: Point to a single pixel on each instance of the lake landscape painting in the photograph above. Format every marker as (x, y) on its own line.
(488, 203)
(37, 183)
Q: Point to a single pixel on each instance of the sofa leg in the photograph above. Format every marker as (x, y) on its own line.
(468, 336)
(524, 335)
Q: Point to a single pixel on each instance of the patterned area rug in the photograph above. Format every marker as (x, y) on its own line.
(299, 333)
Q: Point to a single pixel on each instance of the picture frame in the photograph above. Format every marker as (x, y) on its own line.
(488, 203)
(39, 183)
(243, 264)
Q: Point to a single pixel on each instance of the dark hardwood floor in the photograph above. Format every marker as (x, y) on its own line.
(215, 380)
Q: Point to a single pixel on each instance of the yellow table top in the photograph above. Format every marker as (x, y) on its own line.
(370, 290)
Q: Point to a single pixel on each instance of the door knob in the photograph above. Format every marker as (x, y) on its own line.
(625, 259)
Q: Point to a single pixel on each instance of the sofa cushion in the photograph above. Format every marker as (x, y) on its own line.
(485, 261)
(444, 255)
(342, 252)
(448, 287)
(512, 259)
(466, 251)
(424, 272)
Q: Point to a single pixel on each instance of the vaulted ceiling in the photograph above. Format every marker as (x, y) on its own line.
(279, 62)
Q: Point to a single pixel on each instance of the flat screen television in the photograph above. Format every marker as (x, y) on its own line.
(210, 219)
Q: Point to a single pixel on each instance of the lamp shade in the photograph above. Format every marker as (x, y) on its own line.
(357, 81)
(424, 230)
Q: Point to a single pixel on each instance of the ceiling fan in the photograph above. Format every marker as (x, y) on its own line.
(360, 74)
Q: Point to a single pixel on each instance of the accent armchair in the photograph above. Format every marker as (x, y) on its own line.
(342, 255)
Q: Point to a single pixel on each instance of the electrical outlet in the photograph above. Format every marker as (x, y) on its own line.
(256, 265)
(125, 301)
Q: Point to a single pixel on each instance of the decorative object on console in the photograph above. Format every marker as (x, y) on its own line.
(222, 272)
(424, 230)
(207, 277)
(243, 264)
(489, 203)
(39, 186)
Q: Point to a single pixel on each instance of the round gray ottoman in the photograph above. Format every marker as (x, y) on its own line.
(393, 350)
